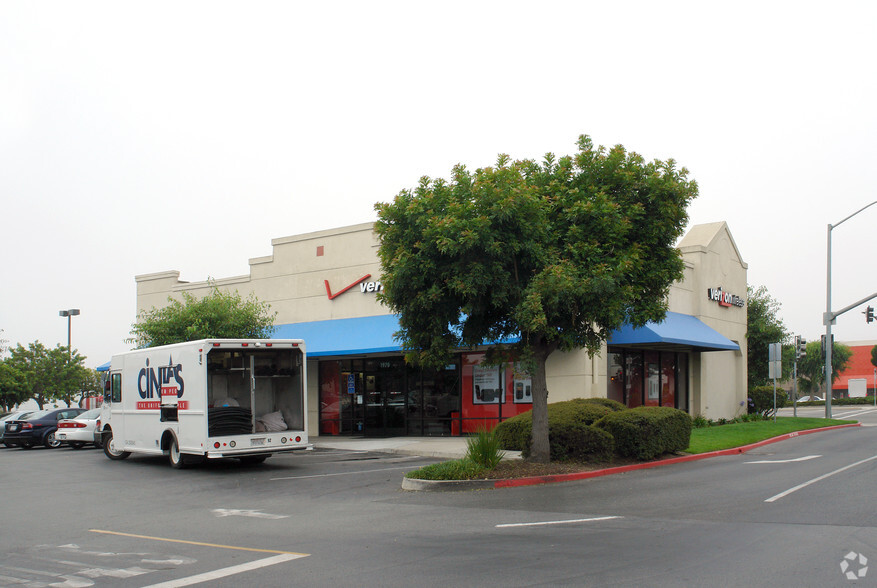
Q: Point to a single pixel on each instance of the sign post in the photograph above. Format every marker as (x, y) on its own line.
(775, 370)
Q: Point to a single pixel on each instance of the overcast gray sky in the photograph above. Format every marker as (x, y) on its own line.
(144, 137)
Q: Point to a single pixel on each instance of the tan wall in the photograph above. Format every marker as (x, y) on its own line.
(292, 279)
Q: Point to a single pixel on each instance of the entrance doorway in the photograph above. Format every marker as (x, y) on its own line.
(382, 397)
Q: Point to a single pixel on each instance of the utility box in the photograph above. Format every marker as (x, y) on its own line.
(858, 387)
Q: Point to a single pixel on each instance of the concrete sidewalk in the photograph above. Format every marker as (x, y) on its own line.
(438, 447)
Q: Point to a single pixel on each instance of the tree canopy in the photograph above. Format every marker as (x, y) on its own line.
(219, 315)
(556, 255)
(44, 375)
(811, 367)
(763, 327)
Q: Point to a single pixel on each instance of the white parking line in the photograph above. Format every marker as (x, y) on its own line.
(566, 522)
(230, 571)
(814, 480)
(805, 458)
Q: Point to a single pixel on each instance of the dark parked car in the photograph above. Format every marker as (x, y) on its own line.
(37, 428)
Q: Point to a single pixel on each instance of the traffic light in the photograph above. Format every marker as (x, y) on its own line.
(869, 314)
(823, 344)
(800, 347)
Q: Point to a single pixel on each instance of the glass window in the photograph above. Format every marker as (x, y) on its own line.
(633, 378)
(116, 387)
(668, 379)
(682, 381)
(653, 378)
(615, 389)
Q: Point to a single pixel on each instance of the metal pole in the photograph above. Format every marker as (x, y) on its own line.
(795, 378)
(827, 321)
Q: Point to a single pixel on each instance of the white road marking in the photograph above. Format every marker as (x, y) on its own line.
(341, 473)
(566, 522)
(234, 512)
(853, 412)
(814, 480)
(230, 571)
(805, 458)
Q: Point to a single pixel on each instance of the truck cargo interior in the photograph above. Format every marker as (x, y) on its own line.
(254, 391)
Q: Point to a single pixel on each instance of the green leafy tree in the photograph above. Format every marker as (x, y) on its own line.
(557, 255)
(811, 367)
(219, 315)
(47, 374)
(13, 386)
(763, 327)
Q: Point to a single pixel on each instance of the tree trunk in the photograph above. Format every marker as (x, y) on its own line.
(540, 450)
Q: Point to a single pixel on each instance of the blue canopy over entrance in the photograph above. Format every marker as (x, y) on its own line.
(675, 331)
(352, 336)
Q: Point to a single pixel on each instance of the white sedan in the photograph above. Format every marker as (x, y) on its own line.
(810, 399)
(79, 431)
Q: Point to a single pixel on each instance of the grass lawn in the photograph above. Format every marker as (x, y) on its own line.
(738, 434)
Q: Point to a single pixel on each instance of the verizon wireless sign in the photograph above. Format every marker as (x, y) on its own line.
(724, 298)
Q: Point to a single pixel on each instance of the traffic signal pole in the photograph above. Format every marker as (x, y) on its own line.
(829, 317)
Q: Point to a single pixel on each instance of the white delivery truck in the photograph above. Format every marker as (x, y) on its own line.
(214, 398)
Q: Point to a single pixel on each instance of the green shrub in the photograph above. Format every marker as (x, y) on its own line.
(761, 400)
(613, 405)
(516, 433)
(845, 401)
(646, 432)
(483, 449)
(699, 421)
(571, 441)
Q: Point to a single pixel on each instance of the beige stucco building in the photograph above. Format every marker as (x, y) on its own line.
(322, 286)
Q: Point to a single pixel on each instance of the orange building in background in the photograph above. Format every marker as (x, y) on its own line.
(859, 366)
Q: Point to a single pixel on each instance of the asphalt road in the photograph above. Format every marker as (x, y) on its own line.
(788, 514)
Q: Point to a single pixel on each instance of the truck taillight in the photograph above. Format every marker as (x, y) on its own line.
(298, 439)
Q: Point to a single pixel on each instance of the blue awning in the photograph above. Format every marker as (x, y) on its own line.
(104, 367)
(352, 336)
(675, 331)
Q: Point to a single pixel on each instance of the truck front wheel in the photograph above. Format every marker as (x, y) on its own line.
(110, 448)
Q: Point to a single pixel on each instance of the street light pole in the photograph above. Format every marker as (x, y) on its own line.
(69, 314)
(829, 318)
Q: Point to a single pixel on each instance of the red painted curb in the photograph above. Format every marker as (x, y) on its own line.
(513, 483)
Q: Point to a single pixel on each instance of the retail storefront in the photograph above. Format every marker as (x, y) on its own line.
(322, 286)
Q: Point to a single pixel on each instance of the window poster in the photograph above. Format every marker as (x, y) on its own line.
(486, 385)
(523, 388)
(654, 381)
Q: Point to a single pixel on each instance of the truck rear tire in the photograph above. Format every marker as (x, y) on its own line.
(109, 447)
(174, 456)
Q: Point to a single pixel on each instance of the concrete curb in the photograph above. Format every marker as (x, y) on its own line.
(446, 485)
(450, 485)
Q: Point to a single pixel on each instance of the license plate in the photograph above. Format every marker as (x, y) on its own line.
(258, 441)
(13, 428)
(62, 436)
